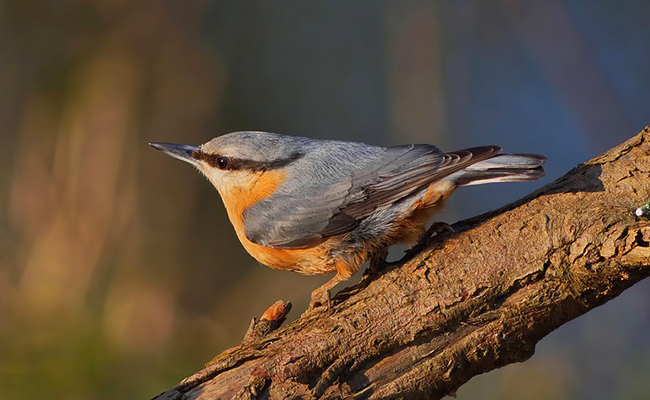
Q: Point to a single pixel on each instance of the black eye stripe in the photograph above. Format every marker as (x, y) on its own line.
(230, 163)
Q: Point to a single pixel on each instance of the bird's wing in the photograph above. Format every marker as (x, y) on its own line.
(302, 218)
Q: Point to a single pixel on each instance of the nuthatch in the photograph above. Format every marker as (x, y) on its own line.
(321, 206)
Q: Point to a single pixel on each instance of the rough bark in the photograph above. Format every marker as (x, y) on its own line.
(476, 300)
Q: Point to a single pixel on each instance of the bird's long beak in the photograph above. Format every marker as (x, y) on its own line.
(180, 151)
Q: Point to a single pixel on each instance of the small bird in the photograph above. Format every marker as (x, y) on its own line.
(323, 206)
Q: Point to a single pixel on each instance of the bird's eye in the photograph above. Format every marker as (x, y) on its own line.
(223, 162)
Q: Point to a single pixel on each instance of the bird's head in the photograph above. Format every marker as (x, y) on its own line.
(236, 160)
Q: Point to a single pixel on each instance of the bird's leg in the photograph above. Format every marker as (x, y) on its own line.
(437, 228)
(422, 242)
(378, 261)
(321, 296)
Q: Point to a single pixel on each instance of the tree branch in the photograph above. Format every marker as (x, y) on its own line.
(476, 300)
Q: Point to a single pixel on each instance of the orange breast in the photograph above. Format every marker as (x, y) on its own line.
(309, 261)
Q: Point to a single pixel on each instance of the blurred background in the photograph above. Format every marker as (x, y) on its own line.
(119, 271)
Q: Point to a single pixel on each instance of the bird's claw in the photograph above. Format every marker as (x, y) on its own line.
(320, 298)
(438, 228)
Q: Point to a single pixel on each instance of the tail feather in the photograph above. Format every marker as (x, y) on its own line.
(501, 168)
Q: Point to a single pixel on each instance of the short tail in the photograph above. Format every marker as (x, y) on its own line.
(501, 168)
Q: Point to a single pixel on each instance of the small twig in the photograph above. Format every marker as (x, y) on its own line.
(271, 320)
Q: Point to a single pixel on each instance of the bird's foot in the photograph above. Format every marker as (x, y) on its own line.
(319, 298)
(438, 228)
